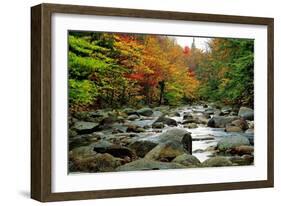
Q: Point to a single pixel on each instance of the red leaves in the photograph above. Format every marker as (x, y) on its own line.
(135, 76)
(186, 50)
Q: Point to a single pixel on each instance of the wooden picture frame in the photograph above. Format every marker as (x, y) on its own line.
(41, 95)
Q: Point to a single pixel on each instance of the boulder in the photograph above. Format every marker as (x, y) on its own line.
(82, 152)
(77, 141)
(229, 143)
(141, 148)
(158, 125)
(221, 121)
(147, 164)
(72, 133)
(92, 116)
(226, 110)
(145, 112)
(133, 117)
(246, 113)
(116, 131)
(240, 123)
(176, 114)
(108, 120)
(84, 140)
(191, 126)
(135, 128)
(230, 128)
(166, 120)
(82, 127)
(187, 116)
(243, 149)
(187, 160)
(129, 111)
(166, 151)
(217, 162)
(97, 163)
(198, 151)
(248, 158)
(113, 149)
(172, 134)
(237, 160)
(82, 116)
(251, 124)
(209, 111)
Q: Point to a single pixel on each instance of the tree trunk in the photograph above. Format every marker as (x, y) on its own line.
(162, 88)
(146, 93)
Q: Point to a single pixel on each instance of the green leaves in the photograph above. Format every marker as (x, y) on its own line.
(229, 70)
(81, 92)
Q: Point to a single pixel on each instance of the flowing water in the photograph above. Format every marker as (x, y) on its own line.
(203, 137)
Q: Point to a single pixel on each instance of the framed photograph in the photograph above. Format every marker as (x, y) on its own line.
(130, 102)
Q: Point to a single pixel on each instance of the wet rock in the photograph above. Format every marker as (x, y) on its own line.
(229, 143)
(226, 110)
(237, 160)
(147, 164)
(135, 128)
(176, 114)
(248, 158)
(187, 160)
(166, 151)
(251, 124)
(116, 131)
(146, 127)
(133, 117)
(172, 134)
(210, 148)
(249, 131)
(230, 128)
(77, 141)
(82, 152)
(102, 144)
(244, 149)
(82, 127)
(217, 162)
(166, 120)
(97, 163)
(81, 115)
(189, 121)
(221, 121)
(191, 126)
(205, 106)
(157, 130)
(158, 125)
(198, 151)
(72, 133)
(209, 111)
(246, 113)
(202, 138)
(187, 116)
(241, 123)
(145, 112)
(114, 150)
(187, 143)
(108, 120)
(141, 148)
(129, 111)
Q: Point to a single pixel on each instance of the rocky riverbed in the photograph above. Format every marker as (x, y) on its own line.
(161, 138)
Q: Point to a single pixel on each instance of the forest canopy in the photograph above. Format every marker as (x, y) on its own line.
(116, 70)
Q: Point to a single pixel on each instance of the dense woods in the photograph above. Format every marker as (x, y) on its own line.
(116, 70)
